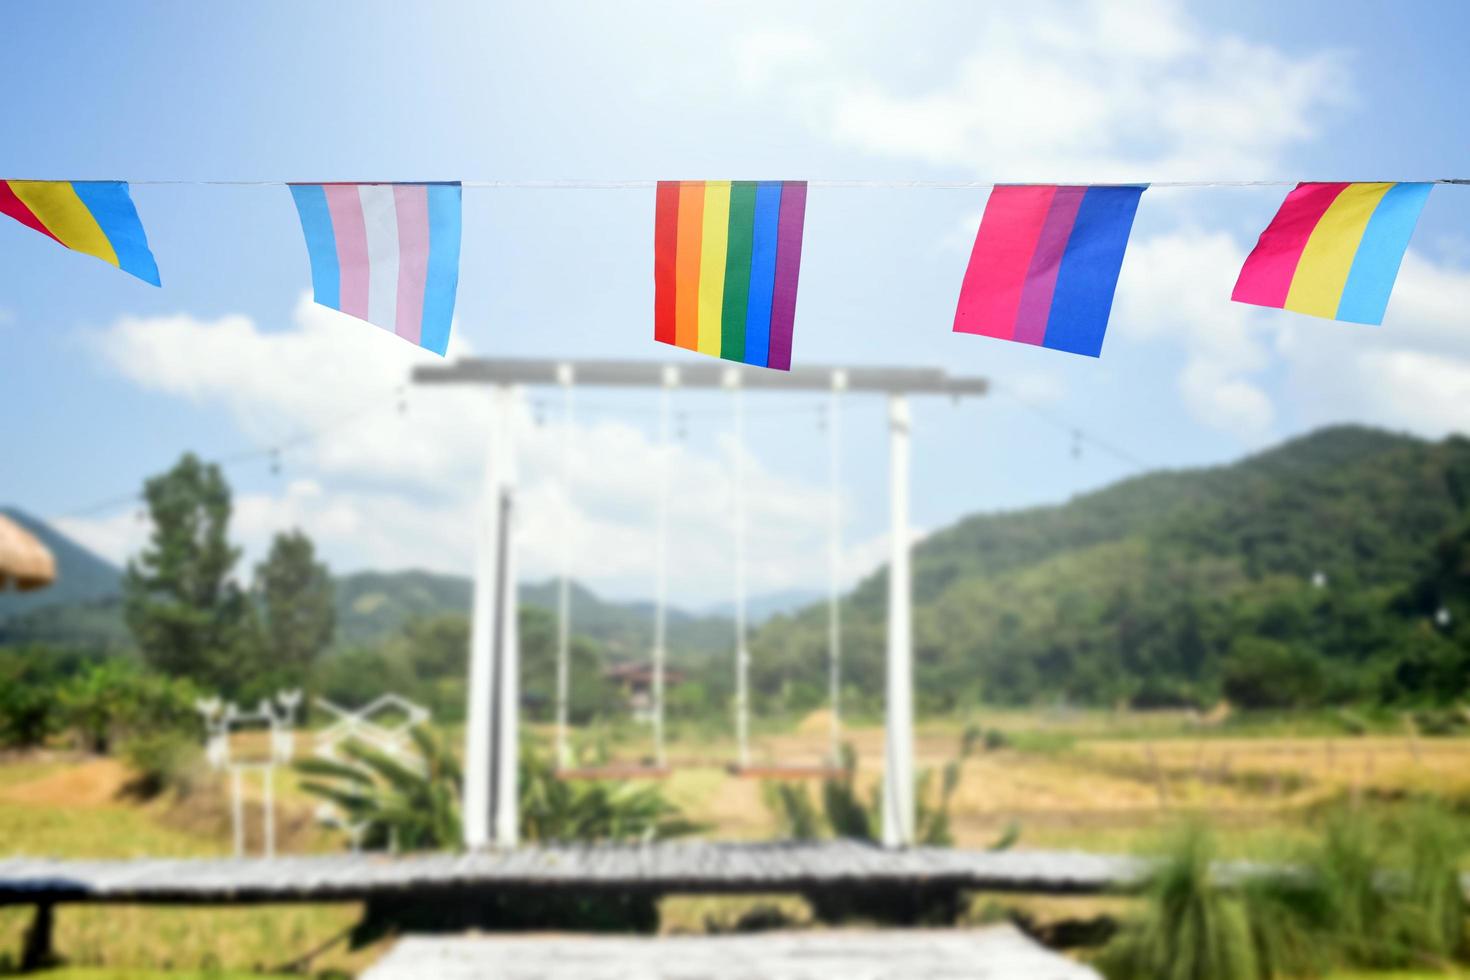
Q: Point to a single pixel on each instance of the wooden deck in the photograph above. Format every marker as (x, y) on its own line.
(668, 868)
(996, 953)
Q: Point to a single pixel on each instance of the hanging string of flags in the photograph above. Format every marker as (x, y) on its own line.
(727, 254)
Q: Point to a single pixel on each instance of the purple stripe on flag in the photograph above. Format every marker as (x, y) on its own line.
(788, 264)
(411, 204)
(1041, 277)
(345, 207)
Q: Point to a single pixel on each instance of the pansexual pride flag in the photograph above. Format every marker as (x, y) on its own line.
(726, 255)
(1045, 265)
(385, 253)
(92, 216)
(1333, 250)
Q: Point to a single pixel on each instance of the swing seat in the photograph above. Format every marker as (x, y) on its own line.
(818, 770)
(619, 771)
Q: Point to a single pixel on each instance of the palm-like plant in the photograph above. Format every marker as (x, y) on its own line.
(398, 805)
(558, 810)
(846, 813)
(416, 805)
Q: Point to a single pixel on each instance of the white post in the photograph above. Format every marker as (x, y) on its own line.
(564, 597)
(661, 563)
(237, 810)
(268, 776)
(490, 728)
(742, 652)
(834, 563)
(898, 768)
(505, 803)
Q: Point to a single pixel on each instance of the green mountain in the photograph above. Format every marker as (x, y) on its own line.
(84, 608)
(373, 605)
(1177, 586)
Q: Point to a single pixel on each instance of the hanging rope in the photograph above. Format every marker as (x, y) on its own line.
(564, 601)
(834, 566)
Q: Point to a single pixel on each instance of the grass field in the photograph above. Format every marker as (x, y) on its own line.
(1095, 781)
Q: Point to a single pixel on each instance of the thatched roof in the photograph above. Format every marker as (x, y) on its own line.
(24, 562)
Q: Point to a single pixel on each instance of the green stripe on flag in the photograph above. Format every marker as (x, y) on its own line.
(737, 269)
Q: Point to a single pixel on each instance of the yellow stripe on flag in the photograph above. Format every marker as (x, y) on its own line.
(713, 244)
(56, 205)
(1322, 272)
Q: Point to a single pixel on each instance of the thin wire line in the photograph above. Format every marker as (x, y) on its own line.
(825, 183)
(1079, 433)
(275, 449)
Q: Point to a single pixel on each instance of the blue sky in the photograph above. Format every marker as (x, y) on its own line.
(109, 379)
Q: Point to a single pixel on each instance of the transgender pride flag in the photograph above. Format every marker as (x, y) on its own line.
(385, 253)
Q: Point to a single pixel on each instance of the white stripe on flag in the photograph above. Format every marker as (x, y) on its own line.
(380, 216)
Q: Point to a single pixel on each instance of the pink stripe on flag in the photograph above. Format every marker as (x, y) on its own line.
(1266, 276)
(345, 206)
(411, 202)
(1009, 230)
(1034, 310)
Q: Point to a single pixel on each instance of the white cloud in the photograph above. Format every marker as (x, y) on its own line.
(115, 536)
(390, 489)
(1175, 288)
(1100, 90)
(1413, 372)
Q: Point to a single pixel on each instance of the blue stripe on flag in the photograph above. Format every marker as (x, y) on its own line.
(1083, 297)
(112, 207)
(443, 274)
(321, 243)
(1381, 252)
(762, 273)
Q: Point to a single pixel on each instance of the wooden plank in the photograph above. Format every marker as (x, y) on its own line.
(995, 953)
(680, 866)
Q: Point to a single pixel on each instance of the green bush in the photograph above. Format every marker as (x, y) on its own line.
(118, 699)
(30, 679)
(162, 761)
(28, 709)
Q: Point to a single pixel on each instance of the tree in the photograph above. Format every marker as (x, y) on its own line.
(184, 610)
(1262, 673)
(299, 618)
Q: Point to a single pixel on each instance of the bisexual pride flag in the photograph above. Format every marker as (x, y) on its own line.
(385, 253)
(726, 258)
(1333, 250)
(92, 216)
(1045, 265)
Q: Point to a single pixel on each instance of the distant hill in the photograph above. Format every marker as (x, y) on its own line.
(84, 607)
(1161, 587)
(370, 605)
(760, 608)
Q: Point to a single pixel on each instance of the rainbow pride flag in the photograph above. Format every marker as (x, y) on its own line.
(1045, 265)
(92, 216)
(726, 258)
(385, 253)
(1333, 250)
